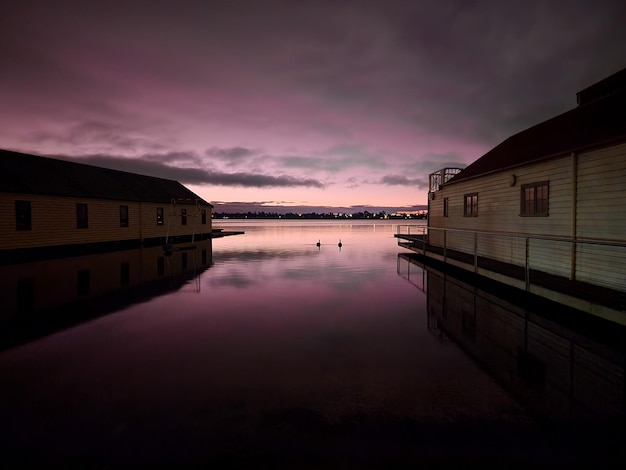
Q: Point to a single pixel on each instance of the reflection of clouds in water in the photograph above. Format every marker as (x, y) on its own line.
(250, 267)
(259, 255)
(237, 280)
(245, 266)
(335, 275)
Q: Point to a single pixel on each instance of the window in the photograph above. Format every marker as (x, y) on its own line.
(534, 200)
(183, 216)
(470, 209)
(22, 215)
(159, 216)
(82, 220)
(203, 215)
(123, 216)
(445, 207)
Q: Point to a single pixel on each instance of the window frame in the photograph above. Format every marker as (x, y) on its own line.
(124, 216)
(473, 206)
(160, 216)
(538, 209)
(82, 220)
(23, 216)
(183, 217)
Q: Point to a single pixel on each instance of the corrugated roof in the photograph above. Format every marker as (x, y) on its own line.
(30, 174)
(600, 122)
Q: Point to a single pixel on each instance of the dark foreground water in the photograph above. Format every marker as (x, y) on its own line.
(265, 350)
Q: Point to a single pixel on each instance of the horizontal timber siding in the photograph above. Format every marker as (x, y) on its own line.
(602, 194)
(499, 212)
(600, 203)
(53, 221)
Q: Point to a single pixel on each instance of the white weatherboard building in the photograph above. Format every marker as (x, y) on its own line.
(544, 210)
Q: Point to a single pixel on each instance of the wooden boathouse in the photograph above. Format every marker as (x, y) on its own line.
(543, 210)
(53, 208)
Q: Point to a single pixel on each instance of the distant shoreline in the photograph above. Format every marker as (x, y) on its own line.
(318, 216)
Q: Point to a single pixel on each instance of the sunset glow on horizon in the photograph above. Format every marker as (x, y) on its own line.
(304, 104)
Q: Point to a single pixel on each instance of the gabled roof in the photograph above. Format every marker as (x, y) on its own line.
(599, 120)
(30, 174)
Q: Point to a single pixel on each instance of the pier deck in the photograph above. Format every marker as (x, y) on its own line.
(582, 295)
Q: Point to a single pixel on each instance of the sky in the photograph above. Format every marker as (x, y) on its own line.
(294, 105)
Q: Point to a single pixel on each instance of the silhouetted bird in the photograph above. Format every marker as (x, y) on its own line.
(339, 244)
(318, 243)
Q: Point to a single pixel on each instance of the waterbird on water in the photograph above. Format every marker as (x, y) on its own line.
(339, 244)
(318, 243)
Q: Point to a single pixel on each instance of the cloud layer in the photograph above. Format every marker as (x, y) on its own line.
(316, 102)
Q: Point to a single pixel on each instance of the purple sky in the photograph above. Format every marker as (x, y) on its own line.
(297, 103)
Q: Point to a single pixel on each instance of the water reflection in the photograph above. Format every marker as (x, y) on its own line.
(40, 297)
(286, 356)
(563, 365)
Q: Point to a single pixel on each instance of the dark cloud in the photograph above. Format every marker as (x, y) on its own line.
(334, 159)
(181, 158)
(155, 165)
(260, 181)
(101, 136)
(232, 154)
(401, 180)
(477, 69)
(350, 87)
(310, 163)
(503, 66)
(330, 165)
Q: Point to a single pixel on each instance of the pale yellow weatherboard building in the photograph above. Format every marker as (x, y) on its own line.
(57, 208)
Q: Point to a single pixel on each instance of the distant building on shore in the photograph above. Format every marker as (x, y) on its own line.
(544, 209)
(52, 208)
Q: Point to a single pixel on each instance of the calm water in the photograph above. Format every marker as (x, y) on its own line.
(264, 348)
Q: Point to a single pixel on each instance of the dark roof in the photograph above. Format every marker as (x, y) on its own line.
(30, 174)
(599, 120)
(603, 88)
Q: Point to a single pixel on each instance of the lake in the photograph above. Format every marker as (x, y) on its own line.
(265, 349)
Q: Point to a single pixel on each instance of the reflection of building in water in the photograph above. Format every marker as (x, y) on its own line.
(31, 289)
(565, 367)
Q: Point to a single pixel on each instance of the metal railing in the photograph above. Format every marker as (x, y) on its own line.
(439, 177)
(594, 261)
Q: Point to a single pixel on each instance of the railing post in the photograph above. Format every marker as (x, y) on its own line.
(445, 245)
(424, 240)
(527, 269)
